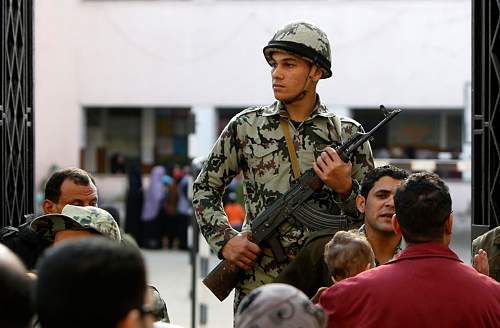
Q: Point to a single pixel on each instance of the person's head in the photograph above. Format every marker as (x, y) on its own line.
(16, 307)
(423, 209)
(299, 54)
(266, 306)
(376, 198)
(347, 254)
(76, 222)
(71, 186)
(91, 282)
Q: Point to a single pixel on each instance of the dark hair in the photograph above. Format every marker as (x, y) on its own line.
(347, 254)
(53, 185)
(372, 176)
(89, 282)
(16, 306)
(422, 204)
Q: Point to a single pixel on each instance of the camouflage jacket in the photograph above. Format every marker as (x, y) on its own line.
(399, 247)
(253, 144)
(490, 242)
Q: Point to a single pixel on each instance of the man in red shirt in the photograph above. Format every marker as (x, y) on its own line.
(426, 285)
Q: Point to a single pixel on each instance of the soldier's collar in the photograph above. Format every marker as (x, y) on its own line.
(278, 108)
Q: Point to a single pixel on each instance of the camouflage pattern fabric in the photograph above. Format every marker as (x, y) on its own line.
(279, 305)
(399, 247)
(253, 144)
(158, 306)
(490, 242)
(77, 218)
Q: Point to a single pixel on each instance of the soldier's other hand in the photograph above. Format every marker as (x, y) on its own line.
(241, 251)
(481, 262)
(334, 172)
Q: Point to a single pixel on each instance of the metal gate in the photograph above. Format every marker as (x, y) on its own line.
(16, 111)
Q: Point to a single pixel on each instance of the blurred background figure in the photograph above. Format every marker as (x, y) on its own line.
(133, 206)
(151, 211)
(234, 211)
(184, 207)
(169, 208)
(117, 163)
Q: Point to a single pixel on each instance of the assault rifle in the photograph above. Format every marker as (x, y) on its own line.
(290, 206)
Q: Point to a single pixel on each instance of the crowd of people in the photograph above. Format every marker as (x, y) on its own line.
(159, 215)
(382, 258)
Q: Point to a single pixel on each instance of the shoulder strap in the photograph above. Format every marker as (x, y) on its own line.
(291, 148)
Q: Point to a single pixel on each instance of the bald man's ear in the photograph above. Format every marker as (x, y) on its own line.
(360, 203)
(395, 224)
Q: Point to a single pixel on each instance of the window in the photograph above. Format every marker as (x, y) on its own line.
(415, 133)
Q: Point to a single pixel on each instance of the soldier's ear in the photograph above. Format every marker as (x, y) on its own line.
(360, 203)
(315, 73)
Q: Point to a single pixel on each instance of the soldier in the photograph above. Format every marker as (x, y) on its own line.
(271, 146)
(83, 221)
(67, 186)
(376, 202)
(75, 222)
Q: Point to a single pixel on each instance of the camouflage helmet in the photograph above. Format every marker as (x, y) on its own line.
(77, 218)
(304, 40)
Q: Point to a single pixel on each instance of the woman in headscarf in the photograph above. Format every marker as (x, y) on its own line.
(153, 200)
(279, 305)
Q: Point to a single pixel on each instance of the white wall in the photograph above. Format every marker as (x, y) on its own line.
(209, 53)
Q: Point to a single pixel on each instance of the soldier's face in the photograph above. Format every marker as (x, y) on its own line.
(72, 194)
(289, 75)
(378, 207)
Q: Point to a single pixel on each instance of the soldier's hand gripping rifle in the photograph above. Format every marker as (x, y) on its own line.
(264, 228)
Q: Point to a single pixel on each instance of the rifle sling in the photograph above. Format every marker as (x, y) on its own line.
(310, 217)
(291, 148)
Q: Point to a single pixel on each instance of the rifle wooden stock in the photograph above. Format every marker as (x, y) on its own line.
(222, 279)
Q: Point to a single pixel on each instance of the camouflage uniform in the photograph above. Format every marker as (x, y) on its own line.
(490, 242)
(97, 220)
(254, 145)
(399, 247)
